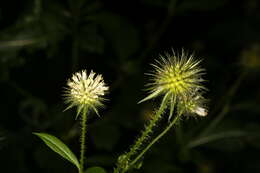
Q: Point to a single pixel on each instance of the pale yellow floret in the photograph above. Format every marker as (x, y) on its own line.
(200, 111)
(85, 90)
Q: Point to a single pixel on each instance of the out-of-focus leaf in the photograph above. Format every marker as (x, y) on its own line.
(157, 3)
(2, 138)
(17, 43)
(101, 159)
(215, 137)
(253, 140)
(248, 106)
(199, 5)
(106, 136)
(156, 165)
(32, 109)
(227, 145)
(95, 170)
(122, 35)
(91, 40)
(59, 147)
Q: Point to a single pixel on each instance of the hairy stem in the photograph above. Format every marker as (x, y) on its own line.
(83, 138)
(155, 140)
(122, 165)
(148, 128)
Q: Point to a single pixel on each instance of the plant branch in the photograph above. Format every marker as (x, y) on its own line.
(155, 140)
(83, 138)
(123, 161)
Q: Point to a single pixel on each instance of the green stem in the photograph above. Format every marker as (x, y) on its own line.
(83, 138)
(155, 140)
(149, 127)
(122, 165)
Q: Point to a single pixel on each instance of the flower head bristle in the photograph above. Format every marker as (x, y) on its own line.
(180, 76)
(85, 90)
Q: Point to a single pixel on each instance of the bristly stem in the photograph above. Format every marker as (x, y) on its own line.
(122, 165)
(155, 140)
(83, 138)
(149, 127)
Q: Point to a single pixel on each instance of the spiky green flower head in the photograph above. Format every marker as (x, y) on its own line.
(177, 75)
(85, 91)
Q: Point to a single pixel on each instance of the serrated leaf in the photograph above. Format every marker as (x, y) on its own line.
(95, 169)
(59, 147)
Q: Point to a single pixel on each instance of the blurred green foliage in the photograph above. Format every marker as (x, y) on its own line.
(43, 41)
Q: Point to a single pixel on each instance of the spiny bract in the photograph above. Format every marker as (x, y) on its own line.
(85, 91)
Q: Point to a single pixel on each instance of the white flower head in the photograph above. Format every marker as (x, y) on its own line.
(194, 104)
(85, 90)
(200, 111)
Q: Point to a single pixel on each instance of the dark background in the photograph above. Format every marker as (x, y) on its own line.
(42, 42)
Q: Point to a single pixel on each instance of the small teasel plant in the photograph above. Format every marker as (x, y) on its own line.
(85, 92)
(178, 79)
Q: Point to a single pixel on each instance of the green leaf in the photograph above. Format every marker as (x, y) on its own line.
(95, 170)
(59, 147)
